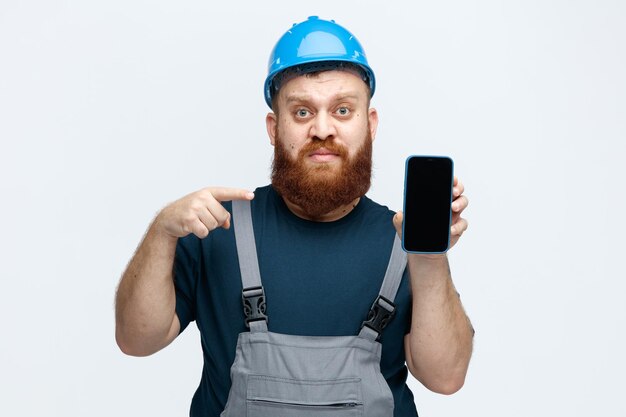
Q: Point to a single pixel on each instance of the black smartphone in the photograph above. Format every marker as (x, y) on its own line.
(427, 204)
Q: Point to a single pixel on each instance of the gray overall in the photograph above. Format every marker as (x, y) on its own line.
(280, 375)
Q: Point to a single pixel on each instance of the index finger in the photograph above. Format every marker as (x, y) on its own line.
(228, 194)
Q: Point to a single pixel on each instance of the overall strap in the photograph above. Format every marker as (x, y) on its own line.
(253, 296)
(383, 309)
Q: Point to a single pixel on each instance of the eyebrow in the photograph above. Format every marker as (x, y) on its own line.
(304, 97)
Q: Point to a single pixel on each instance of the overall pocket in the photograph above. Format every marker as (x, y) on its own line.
(281, 397)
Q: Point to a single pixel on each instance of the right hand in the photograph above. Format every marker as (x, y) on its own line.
(199, 212)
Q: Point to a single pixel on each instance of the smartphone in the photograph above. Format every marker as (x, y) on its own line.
(427, 204)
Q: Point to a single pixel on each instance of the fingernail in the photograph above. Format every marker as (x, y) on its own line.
(250, 195)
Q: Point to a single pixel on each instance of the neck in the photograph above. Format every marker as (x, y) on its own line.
(331, 216)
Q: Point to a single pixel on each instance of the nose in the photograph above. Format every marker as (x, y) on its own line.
(323, 127)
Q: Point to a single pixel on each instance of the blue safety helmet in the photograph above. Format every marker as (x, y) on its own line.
(316, 45)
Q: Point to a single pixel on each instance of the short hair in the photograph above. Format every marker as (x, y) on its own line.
(313, 69)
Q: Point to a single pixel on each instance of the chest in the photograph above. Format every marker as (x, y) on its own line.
(324, 282)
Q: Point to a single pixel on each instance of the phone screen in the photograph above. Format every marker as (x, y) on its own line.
(427, 204)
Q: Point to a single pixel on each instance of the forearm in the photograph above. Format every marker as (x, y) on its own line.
(146, 300)
(440, 341)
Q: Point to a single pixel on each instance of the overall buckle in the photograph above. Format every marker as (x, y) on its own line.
(253, 304)
(380, 315)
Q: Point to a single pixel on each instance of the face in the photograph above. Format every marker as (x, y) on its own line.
(329, 106)
(323, 133)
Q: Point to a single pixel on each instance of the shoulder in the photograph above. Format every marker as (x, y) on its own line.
(373, 213)
(376, 208)
(263, 196)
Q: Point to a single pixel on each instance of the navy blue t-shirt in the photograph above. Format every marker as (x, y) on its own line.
(320, 279)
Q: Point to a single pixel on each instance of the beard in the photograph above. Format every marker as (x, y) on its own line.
(321, 188)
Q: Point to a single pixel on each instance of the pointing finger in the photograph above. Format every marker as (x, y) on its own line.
(228, 194)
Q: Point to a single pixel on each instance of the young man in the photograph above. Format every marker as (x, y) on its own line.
(322, 246)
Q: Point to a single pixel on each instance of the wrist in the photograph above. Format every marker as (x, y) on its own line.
(428, 265)
(426, 257)
(159, 231)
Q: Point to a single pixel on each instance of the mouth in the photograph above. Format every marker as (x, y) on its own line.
(323, 155)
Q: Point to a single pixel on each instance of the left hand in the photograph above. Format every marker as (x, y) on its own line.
(459, 224)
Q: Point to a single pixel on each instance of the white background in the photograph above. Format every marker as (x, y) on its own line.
(110, 110)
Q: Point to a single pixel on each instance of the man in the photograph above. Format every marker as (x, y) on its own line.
(322, 245)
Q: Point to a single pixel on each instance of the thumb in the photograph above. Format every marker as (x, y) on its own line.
(397, 223)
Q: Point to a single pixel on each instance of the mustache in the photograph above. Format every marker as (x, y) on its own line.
(328, 144)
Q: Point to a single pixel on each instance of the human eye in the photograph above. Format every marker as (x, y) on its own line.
(302, 113)
(343, 111)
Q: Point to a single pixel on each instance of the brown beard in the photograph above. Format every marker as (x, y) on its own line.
(322, 188)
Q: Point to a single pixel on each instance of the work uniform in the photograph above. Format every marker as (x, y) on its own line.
(319, 279)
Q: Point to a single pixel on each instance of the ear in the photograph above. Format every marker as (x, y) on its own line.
(372, 116)
(271, 123)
